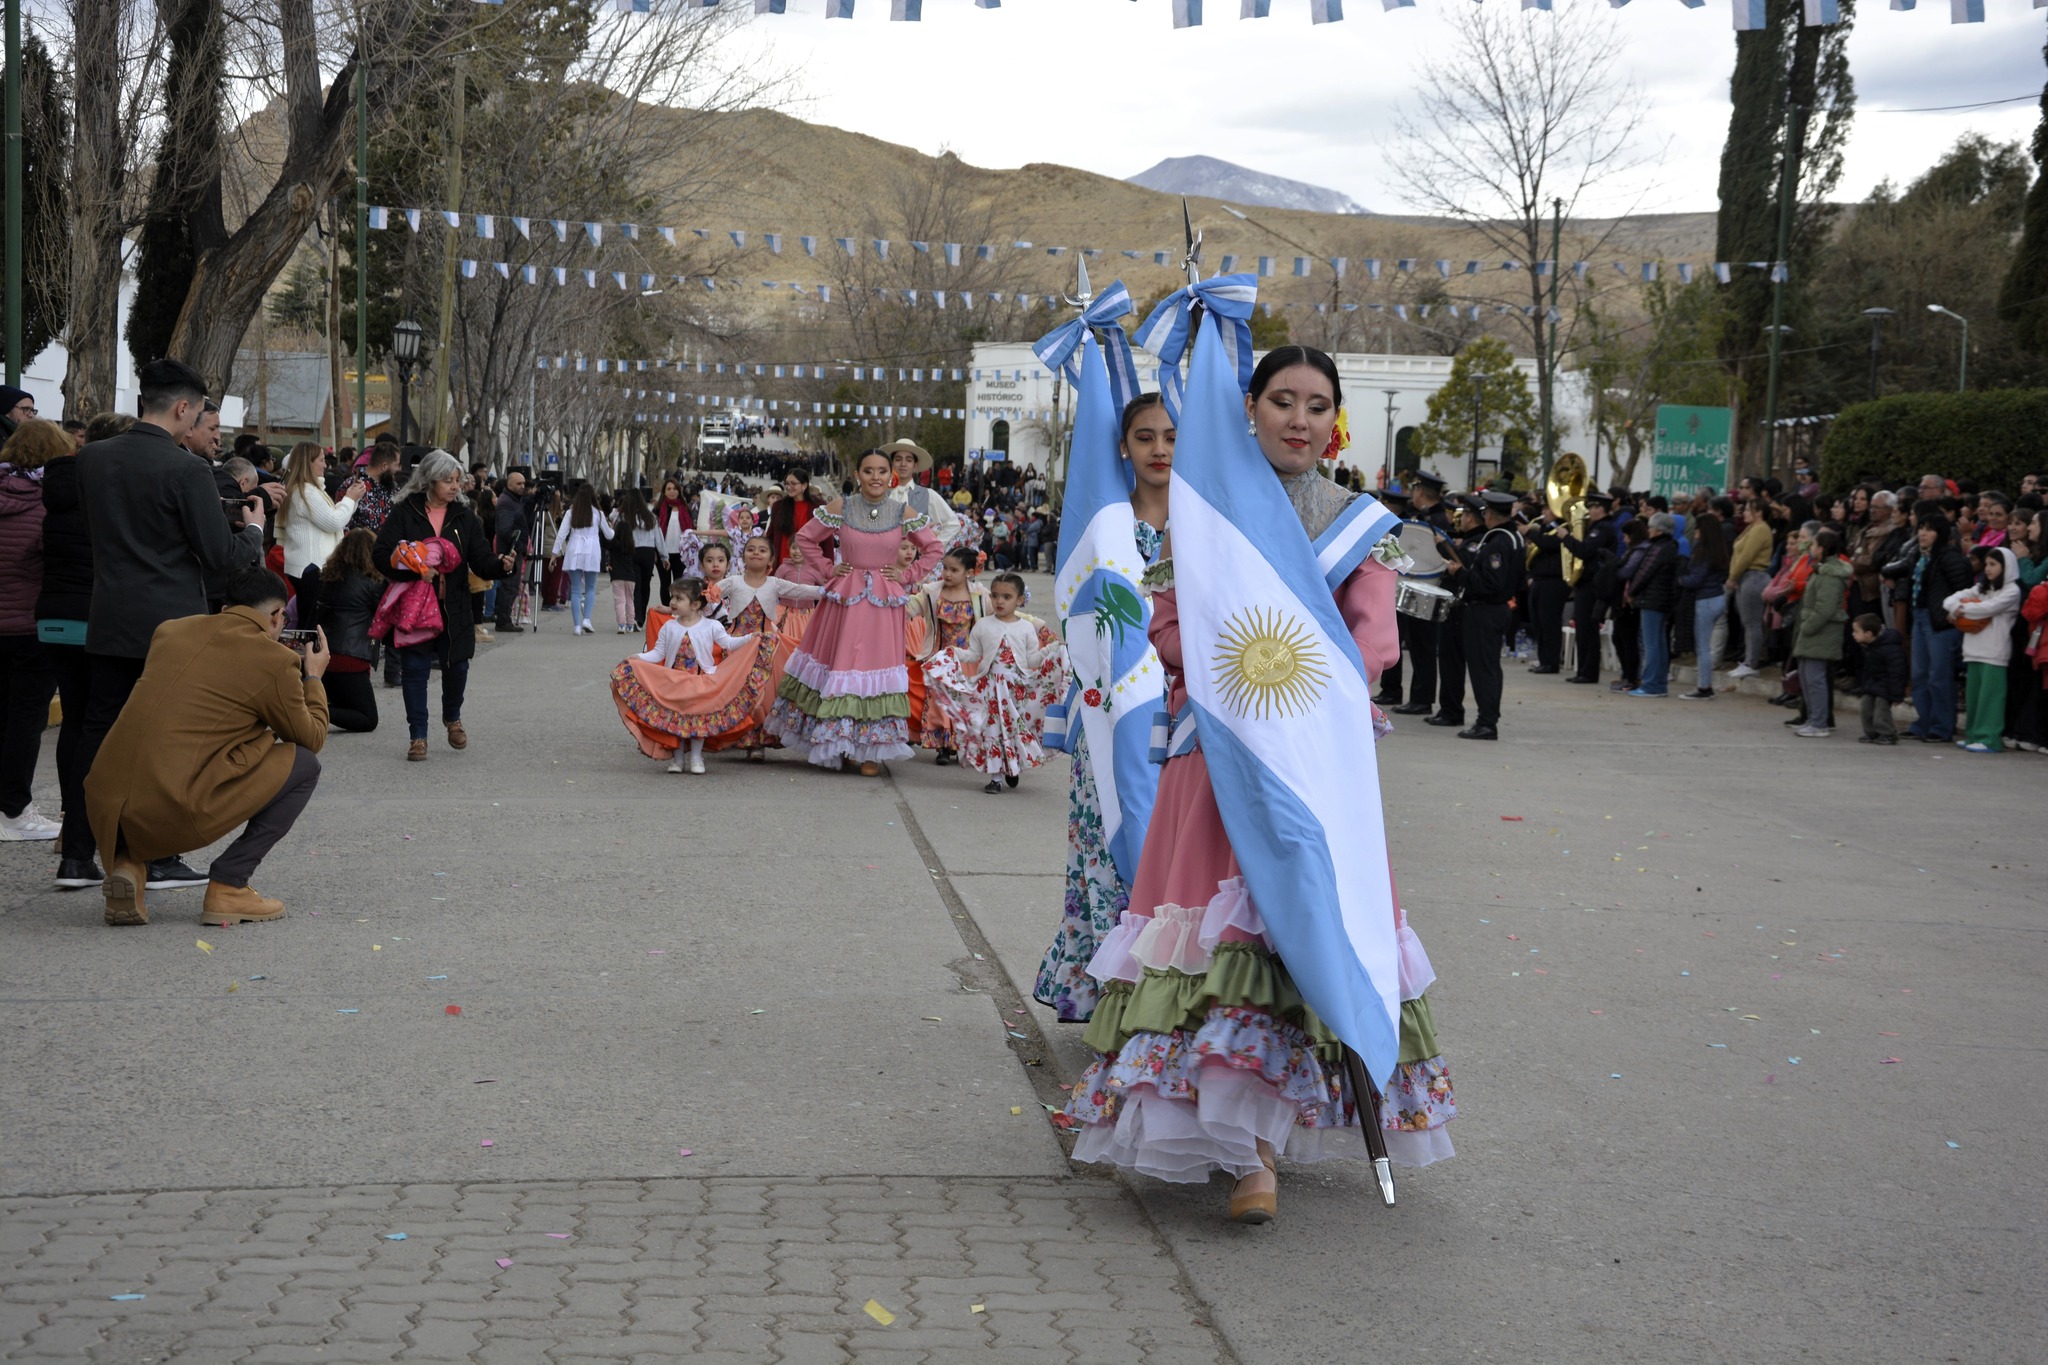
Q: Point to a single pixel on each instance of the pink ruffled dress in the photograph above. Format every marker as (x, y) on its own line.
(846, 694)
(1205, 1044)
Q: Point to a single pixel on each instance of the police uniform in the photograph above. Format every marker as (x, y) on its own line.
(1389, 694)
(1494, 574)
(1450, 631)
(1420, 533)
(1548, 594)
(1602, 542)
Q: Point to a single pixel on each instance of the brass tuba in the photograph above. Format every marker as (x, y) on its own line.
(1565, 493)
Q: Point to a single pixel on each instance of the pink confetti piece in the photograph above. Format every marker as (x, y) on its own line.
(1516, 819)
(1890, 1061)
(504, 1264)
(1887, 1035)
(683, 1151)
(559, 1236)
(657, 952)
(486, 1143)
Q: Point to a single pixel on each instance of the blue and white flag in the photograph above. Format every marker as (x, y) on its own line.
(1282, 704)
(1061, 350)
(1166, 332)
(1105, 615)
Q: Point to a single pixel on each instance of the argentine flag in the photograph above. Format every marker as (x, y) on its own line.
(1282, 704)
(1104, 614)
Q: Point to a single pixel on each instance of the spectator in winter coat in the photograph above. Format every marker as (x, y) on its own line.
(26, 682)
(1995, 600)
(1817, 635)
(61, 613)
(1653, 590)
(1883, 679)
(350, 590)
(1938, 573)
(16, 406)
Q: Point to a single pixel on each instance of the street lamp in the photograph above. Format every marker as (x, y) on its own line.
(1478, 400)
(1963, 363)
(1877, 317)
(405, 349)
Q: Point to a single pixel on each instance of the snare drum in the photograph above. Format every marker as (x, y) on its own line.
(1424, 601)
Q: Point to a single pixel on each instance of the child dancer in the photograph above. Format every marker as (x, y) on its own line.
(752, 601)
(676, 694)
(999, 712)
(941, 615)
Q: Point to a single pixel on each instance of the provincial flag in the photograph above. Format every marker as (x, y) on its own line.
(1281, 704)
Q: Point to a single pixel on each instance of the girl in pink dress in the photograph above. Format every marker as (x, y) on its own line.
(846, 696)
(1209, 1057)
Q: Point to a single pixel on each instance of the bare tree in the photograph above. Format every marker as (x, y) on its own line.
(1512, 128)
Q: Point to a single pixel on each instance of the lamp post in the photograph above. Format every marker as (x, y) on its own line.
(1877, 318)
(405, 349)
(1478, 410)
(1963, 360)
(1387, 481)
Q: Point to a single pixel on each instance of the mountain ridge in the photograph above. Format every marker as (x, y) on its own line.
(1214, 178)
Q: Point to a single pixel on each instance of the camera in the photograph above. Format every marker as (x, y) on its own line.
(299, 640)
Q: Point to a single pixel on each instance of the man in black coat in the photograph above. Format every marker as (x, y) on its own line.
(1450, 627)
(1426, 522)
(1599, 558)
(1492, 573)
(1548, 593)
(515, 508)
(158, 530)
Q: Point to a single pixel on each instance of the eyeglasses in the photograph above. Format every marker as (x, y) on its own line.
(26, 408)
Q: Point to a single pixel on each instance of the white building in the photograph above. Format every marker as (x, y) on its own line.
(1014, 407)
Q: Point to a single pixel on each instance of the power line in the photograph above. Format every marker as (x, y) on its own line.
(1948, 108)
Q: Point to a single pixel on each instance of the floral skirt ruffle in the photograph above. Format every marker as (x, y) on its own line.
(1196, 1066)
(826, 734)
(1094, 899)
(662, 707)
(998, 714)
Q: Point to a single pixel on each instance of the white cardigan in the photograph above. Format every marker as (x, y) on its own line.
(313, 526)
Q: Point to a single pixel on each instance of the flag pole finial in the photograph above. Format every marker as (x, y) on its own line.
(1191, 260)
(1082, 295)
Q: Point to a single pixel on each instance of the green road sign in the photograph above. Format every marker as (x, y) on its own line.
(1691, 451)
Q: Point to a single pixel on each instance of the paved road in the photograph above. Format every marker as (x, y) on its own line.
(810, 984)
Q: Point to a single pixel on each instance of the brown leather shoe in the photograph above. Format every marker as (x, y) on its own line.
(870, 770)
(416, 752)
(123, 890)
(458, 738)
(227, 905)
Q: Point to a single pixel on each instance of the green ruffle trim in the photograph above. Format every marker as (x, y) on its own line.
(1240, 975)
(895, 706)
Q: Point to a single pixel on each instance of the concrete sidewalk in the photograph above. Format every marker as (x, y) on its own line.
(812, 983)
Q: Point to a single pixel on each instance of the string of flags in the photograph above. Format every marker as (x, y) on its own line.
(582, 233)
(820, 414)
(1748, 14)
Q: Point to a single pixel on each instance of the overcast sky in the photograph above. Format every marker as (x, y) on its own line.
(1111, 86)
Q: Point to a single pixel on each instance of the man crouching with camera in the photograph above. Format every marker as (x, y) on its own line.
(221, 729)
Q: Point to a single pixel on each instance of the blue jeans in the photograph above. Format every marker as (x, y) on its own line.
(491, 601)
(1656, 677)
(418, 661)
(1705, 612)
(582, 593)
(1934, 676)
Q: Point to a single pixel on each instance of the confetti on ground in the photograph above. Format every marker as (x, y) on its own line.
(885, 1317)
(234, 986)
(1956, 1145)
(757, 1011)
(1514, 818)
(684, 1151)
(657, 952)
(1717, 1045)
(1014, 1034)
(933, 1019)
(204, 946)
(486, 1143)
(348, 1011)
(1615, 1076)
(1887, 1035)
(376, 947)
(977, 1308)
(1016, 1108)
(453, 1009)
(394, 1236)
(442, 977)
(504, 1264)
(1890, 1061)
(131, 1298)
(1793, 1060)
(488, 1080)
(259, 977)
(559, 1236)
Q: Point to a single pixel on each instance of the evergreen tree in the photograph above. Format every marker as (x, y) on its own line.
(1789, 77)
(1487, 393)
(2023, 302)
(183, 219)
(45, 210)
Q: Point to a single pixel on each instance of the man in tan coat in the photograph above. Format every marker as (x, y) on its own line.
(221, 729)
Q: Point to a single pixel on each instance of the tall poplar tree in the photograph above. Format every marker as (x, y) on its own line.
(2023, 301)
(1785, 64)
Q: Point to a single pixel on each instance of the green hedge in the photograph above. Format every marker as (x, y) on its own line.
(1990, 437)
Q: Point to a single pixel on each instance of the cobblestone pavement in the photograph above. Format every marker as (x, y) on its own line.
(645, 1271)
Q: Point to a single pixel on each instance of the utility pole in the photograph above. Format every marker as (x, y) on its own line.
(1550, 337)
(449, 246)
(1781, 269)
(12, 195)
(362, 234)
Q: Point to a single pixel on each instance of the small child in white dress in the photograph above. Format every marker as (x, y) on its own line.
(1000, 712)
(685, 643)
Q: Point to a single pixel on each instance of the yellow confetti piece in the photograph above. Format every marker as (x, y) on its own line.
(376, 947)
(932, 1019)
(234, 986)
(879, 1313)
(1753, 1016)
(204, 946)
(1016, 1108)
(977, 1308)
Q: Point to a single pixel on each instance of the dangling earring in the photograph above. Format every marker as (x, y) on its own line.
(1251, 428)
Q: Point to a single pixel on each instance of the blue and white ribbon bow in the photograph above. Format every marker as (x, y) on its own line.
(1165, 334)
(1060, 349)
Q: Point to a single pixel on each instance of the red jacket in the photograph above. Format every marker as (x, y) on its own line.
(21, 553)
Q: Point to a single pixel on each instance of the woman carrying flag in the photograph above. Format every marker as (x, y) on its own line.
(1263, 936)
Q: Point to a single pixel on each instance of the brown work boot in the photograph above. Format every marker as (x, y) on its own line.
(416, 752)
(458, 738)
(123, 888)
(227, 905)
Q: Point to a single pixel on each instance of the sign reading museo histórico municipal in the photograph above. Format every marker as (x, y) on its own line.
(1691, 451)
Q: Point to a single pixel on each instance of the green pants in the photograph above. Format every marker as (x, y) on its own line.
(1984, 701)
